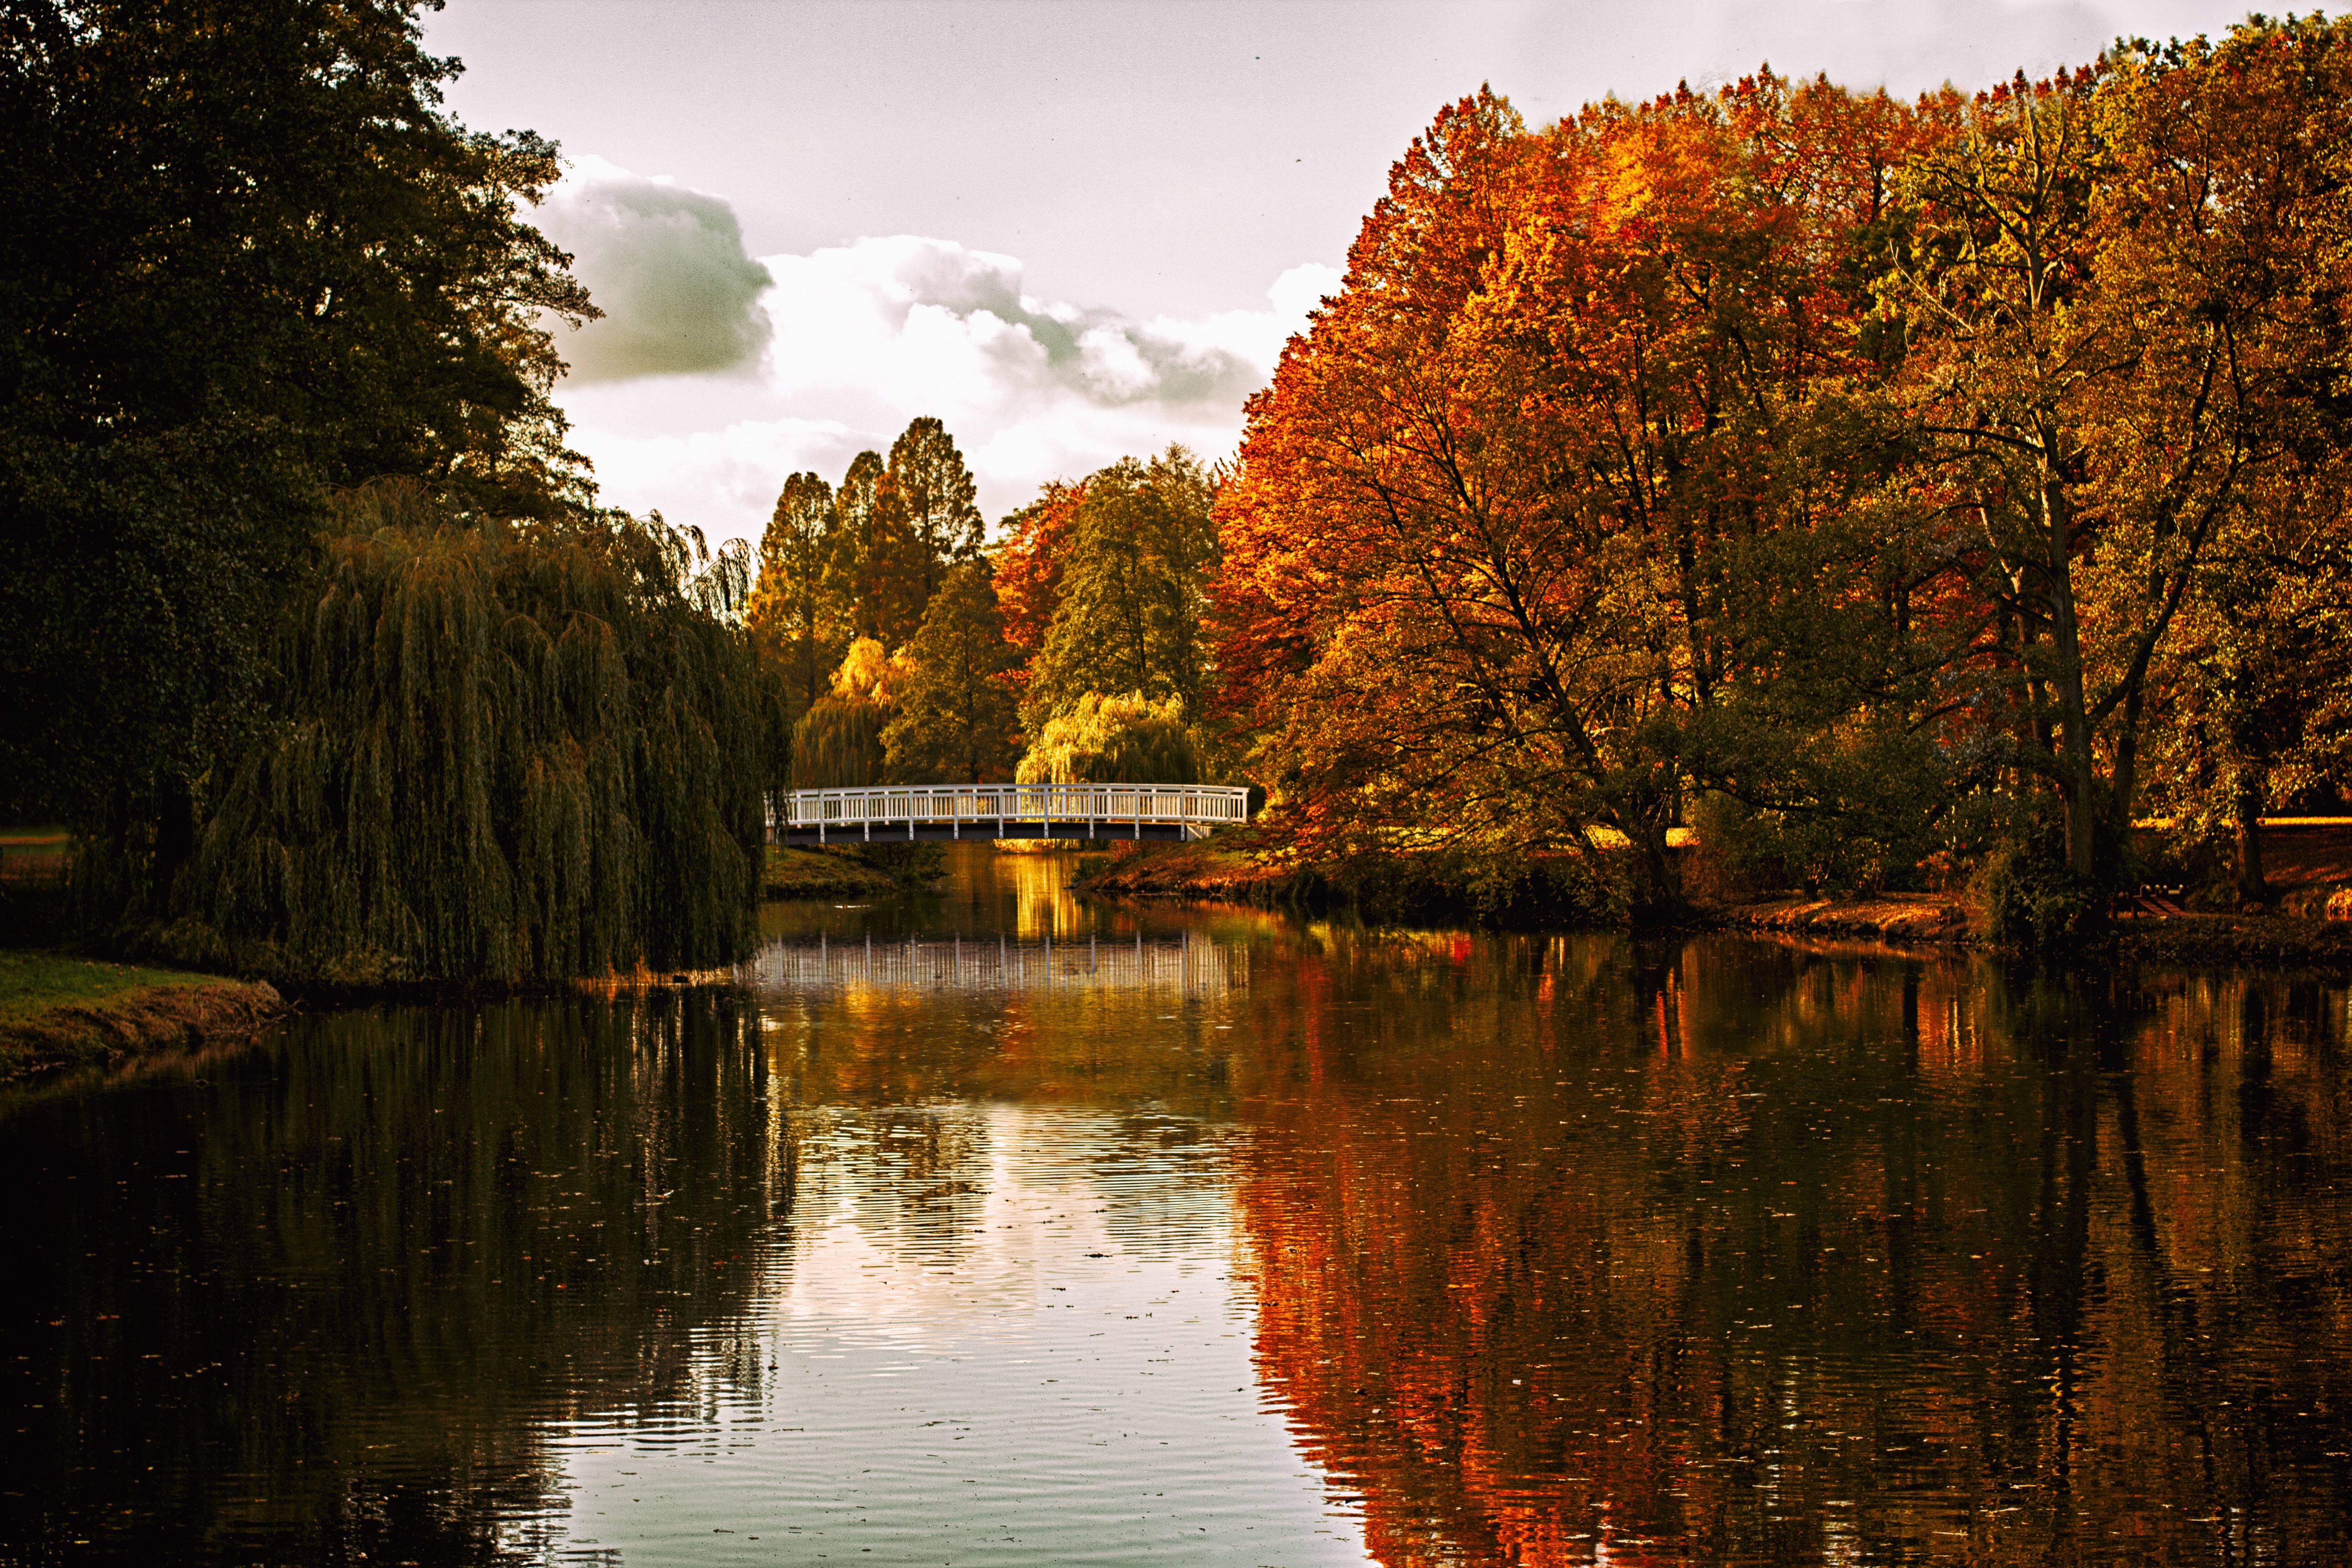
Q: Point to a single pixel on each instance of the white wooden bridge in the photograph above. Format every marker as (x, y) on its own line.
(931, 812)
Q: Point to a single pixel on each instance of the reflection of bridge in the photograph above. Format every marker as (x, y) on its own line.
(1007, 811)
(1196, 966)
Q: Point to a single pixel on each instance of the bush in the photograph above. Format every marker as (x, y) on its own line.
(2033, 906)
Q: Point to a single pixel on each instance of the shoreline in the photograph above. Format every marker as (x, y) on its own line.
(58, 1011)
(1201, 873)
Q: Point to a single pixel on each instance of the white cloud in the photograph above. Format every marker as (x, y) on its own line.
(667, 266)
(862, 337)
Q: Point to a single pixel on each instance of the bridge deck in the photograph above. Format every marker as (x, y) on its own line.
(933, 811)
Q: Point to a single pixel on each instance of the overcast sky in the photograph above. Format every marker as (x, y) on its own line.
(1071, 230)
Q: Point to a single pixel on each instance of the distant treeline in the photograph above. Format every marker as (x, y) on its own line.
(1899, 493)
(1072, 649)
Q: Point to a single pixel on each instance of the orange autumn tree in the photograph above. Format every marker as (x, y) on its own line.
(1565, 501)
(1029, 562)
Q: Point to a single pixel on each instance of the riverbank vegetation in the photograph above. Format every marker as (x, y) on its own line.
(1898, 493)
(55, 1011)
(1874, 497)
(1774, 489)
(312, 631)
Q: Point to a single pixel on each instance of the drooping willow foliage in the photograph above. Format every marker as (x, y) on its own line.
(507, 754)
(1126, 739)
(838, 744)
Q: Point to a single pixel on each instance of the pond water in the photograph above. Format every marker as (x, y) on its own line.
(993, 1227)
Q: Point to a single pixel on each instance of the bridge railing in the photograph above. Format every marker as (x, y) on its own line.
(1204, 805)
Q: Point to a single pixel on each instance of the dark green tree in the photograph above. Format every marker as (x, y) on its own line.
(1132, 590)
(799, 614)
(873, 556)
(246, 260)
(935, 493)
(506, 752)
(955, 717)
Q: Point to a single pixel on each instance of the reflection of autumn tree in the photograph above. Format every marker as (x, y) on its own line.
(1832, 1253)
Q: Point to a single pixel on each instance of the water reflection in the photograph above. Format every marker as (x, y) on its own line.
(315, 1300)
(912, 964)
(1285, 1242)
(1737, 1254)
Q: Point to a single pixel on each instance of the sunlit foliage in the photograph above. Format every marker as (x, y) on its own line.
(1114, 739)
(1879, 468)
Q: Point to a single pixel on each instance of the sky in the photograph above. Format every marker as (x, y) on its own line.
(1071, 229)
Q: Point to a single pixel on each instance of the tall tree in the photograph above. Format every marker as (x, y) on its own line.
(955, 714)
(508, 753)
(2112, 305)
(1029, 559)
(935, 493)
(1534, 523)
(799, 615)
(1133, 586)
(247, 259)
(874, 558)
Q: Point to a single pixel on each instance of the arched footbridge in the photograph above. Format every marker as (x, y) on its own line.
(933, 811)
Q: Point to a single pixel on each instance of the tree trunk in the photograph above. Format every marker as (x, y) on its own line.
(2249, 797)
(2073, 716)
(1658, 892)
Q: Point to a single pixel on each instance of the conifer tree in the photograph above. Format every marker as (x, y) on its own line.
(955, 714)
(873, 556)
(800, 612)
(935, 492)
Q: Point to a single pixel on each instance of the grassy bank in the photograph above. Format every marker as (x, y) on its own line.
(55, 1011)
(821, 874)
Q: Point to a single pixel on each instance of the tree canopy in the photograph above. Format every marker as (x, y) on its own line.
(1892, 470)
(248, 260)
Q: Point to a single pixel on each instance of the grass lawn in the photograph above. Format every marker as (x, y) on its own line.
(56, 1010)
(32, 983)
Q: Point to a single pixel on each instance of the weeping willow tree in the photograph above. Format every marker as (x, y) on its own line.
(837, 744)
(505, 753)
(1114, 739)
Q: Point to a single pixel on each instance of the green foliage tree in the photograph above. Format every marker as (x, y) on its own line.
(838, 743)
(799, 614)
(2257, 701)
(2112, 299)
(1141, 555)
(246, 260)
(504, 753)
(955, 713)
(935, 493)
(1114, 739)
(875, 558)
